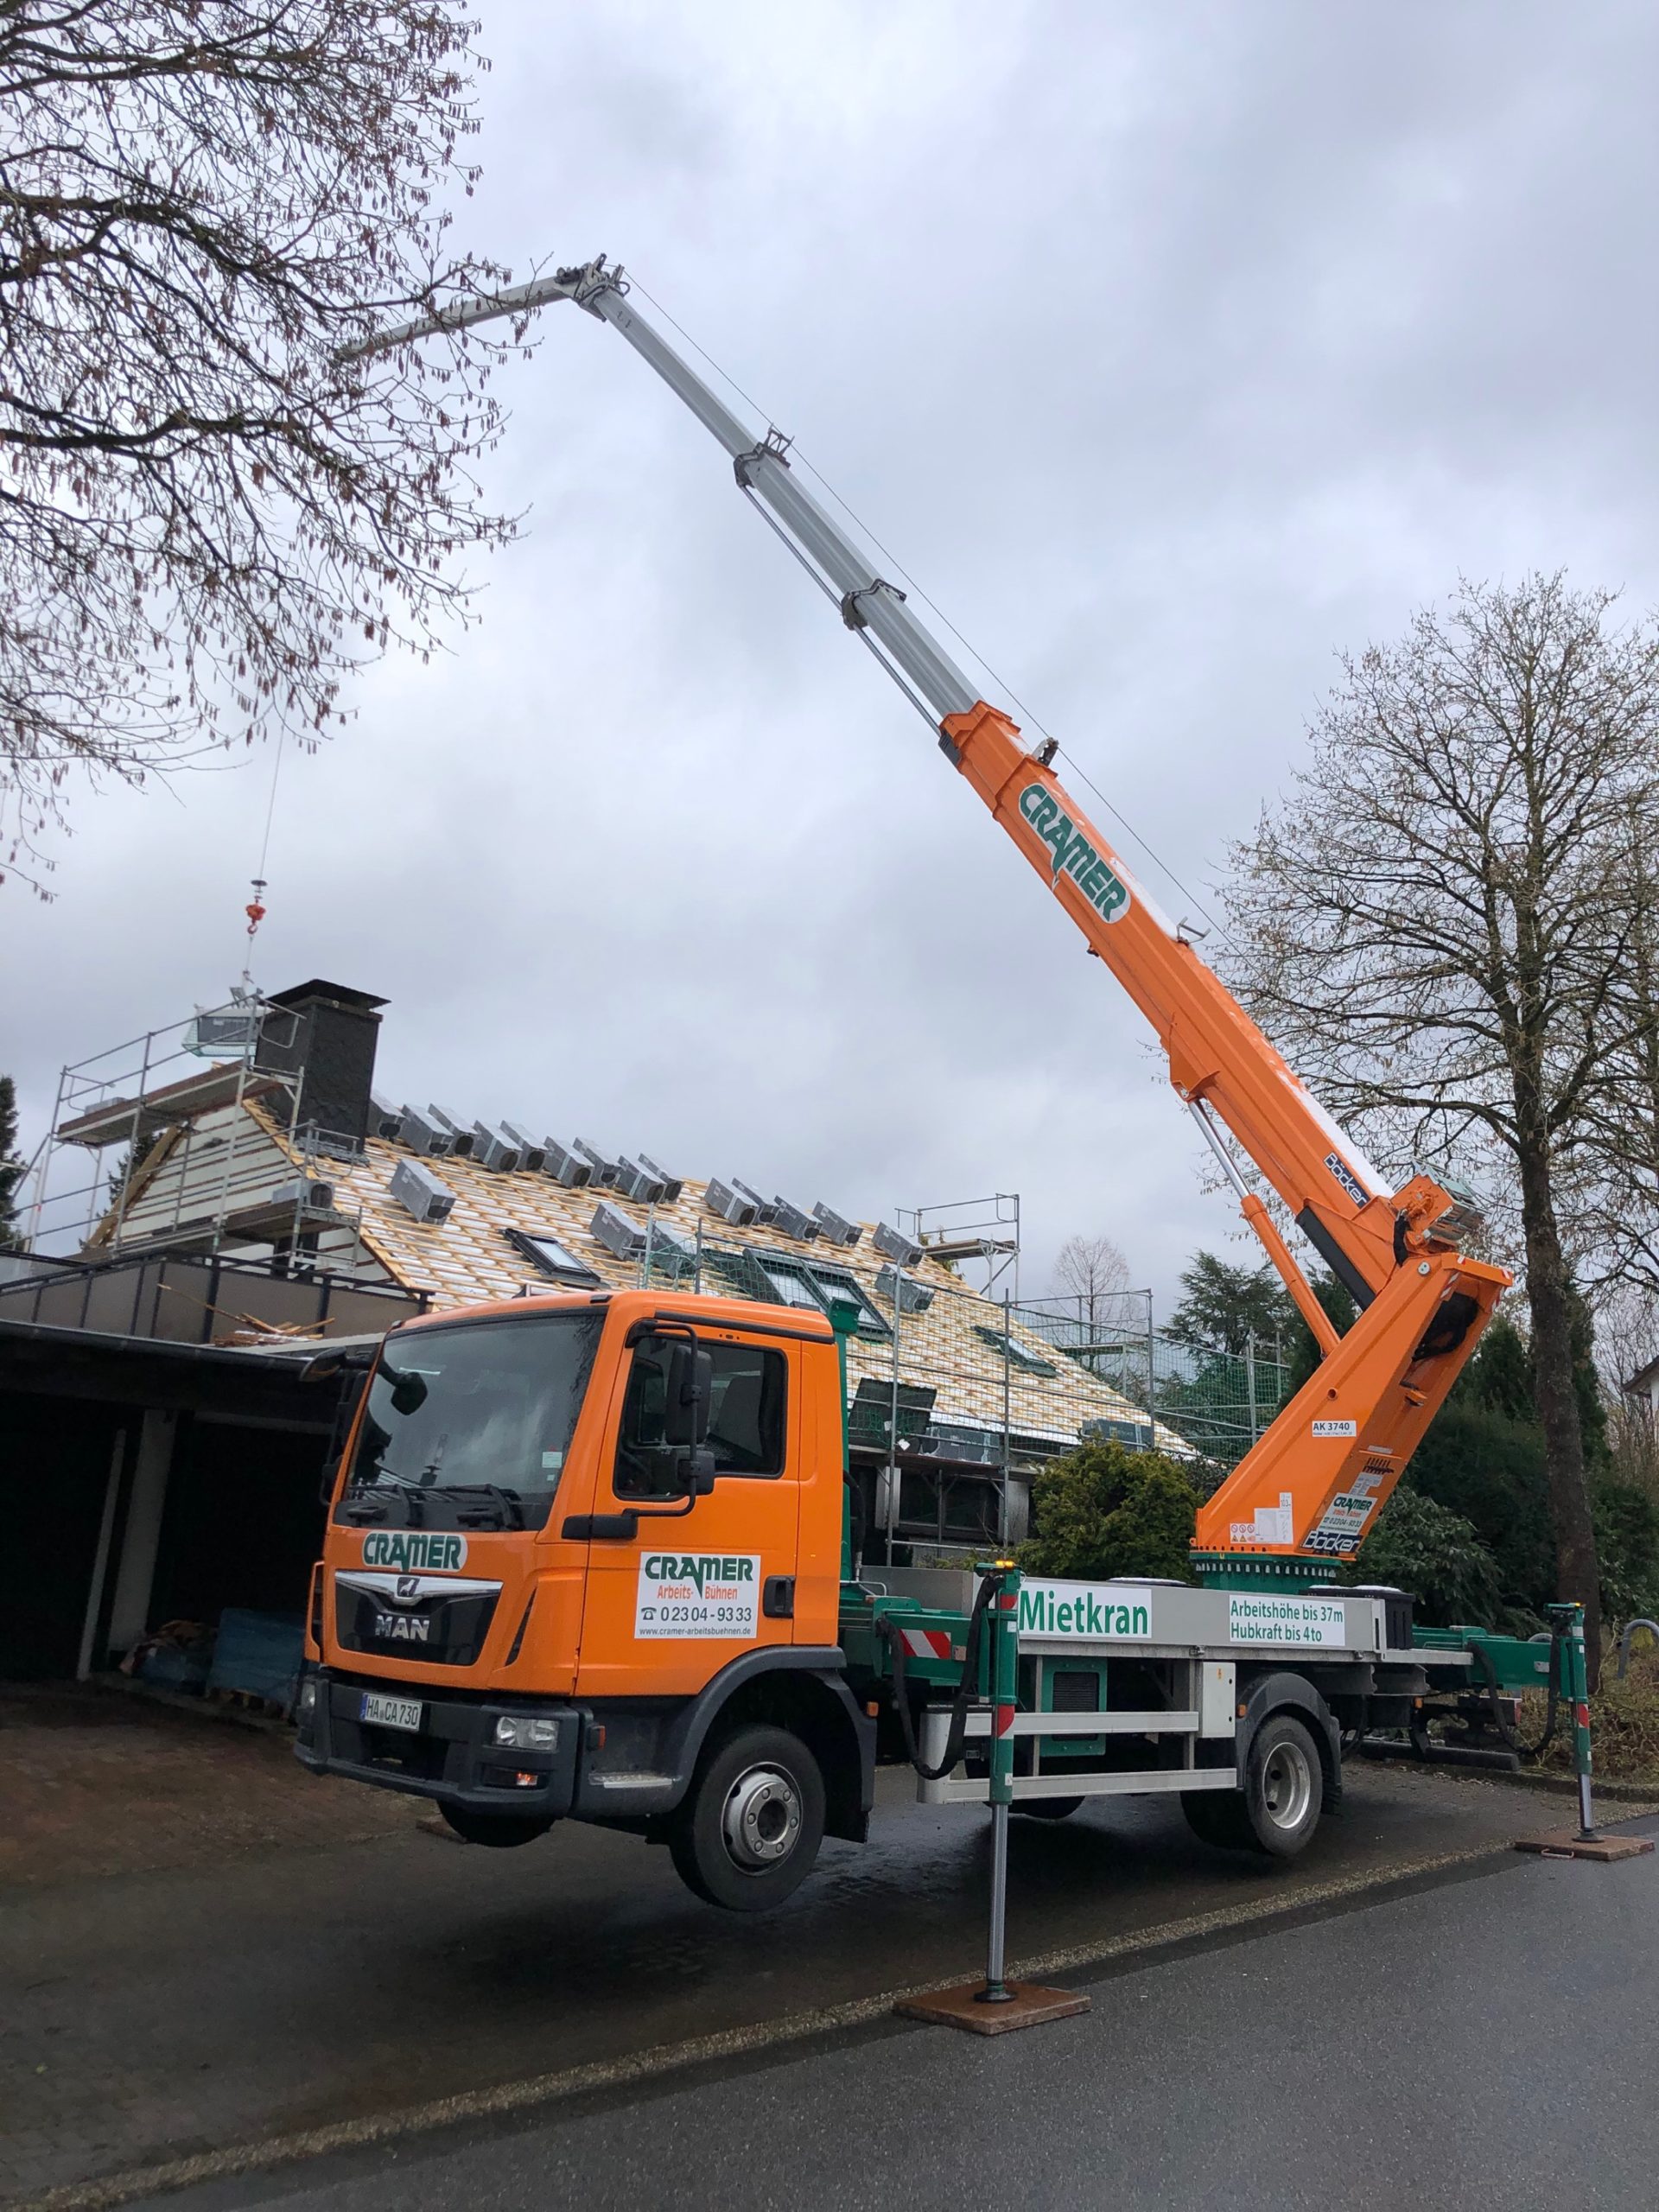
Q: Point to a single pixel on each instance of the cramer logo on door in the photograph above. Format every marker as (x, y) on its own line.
(412, 1551)
(698, 1593)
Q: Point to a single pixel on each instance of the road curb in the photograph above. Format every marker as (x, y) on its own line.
(661, 2059)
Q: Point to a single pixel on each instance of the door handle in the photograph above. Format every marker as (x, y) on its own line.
(599, 1528)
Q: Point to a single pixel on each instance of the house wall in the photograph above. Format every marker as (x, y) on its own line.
(217, 1165)
(218, 1162)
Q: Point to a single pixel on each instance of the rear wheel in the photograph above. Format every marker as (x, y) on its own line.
(749, 1828)
(1278, 1809)
(501, 1831)
(1283, 1787)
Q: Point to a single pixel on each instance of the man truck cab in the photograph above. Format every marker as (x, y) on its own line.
(583, 1558)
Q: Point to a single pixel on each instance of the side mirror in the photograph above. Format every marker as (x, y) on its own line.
(696, 1473)
(329, 1366)
(688, 1395)
(330, 1477)
(408, 1392)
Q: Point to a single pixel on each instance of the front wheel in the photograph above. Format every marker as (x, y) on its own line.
(750, 1826)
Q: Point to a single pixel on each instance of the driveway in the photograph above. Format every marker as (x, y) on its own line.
(1485, 2042)
(356, 1986)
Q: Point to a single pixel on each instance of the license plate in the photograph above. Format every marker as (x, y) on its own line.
(391, 1712)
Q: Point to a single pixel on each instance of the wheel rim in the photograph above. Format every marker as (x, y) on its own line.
(1286, 1785)
(761, 1819)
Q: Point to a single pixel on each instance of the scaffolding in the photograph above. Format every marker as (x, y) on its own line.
(961, 1390)
(176, 1098)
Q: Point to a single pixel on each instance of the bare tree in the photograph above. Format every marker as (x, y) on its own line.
(207, 517)
(1434, 924)
(1617, 1162)
(1094, 1271)
(1627, 1342)
(11, 1167)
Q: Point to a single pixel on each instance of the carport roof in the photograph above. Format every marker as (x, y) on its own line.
(38, 1357)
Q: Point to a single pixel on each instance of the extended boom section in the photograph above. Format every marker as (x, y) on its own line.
(1307, 1492)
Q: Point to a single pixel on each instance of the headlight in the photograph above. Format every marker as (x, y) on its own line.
(308, 1704)
(527, 1731)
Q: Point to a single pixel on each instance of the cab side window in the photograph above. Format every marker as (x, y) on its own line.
(746, 1426)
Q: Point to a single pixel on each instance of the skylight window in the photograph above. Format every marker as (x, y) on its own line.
(836, 1283)
(553, 1258)
(789, 1285)
(803, 1282)
(1019, 1357)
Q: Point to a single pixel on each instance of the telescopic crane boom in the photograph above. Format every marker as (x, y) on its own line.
(1307, 1490)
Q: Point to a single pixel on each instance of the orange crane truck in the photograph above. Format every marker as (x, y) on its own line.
(588, 1557)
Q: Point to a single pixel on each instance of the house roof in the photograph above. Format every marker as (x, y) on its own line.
(469, 1257)
(317, 987)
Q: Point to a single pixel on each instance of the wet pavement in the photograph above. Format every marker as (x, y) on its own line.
(147, 2016)
(1486, 2043)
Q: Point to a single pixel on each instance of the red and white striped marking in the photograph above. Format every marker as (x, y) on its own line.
(926, 1643)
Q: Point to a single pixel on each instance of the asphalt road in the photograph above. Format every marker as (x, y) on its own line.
(156, 2015)
(1486, 2043)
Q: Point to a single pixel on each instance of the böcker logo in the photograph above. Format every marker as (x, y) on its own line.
(1345, 1175)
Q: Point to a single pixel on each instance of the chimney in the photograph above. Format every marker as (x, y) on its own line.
(326, 1034)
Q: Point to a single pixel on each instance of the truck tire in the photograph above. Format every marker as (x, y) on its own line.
(748, 1829)
(1278, 1809)
(1047, 1808)
(501, 1831)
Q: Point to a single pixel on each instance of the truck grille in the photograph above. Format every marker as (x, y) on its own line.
(436, 1618)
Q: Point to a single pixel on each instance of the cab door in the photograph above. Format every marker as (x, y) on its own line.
(700, 1581)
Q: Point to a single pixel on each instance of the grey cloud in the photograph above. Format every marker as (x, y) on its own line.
(1172, 349)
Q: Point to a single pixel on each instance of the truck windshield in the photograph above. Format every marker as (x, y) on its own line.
(470, 1425)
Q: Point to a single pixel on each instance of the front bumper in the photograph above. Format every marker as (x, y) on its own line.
(454, 1760)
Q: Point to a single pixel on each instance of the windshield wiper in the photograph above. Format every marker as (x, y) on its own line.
(506, 1510)
(360, 1498)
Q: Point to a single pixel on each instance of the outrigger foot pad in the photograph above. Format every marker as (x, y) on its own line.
(1568, 1843)
(1028, 2005)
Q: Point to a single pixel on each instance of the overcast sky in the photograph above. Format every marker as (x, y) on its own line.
(1173, 347)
